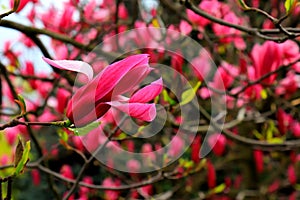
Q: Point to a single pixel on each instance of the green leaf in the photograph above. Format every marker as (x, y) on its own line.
(276, 140)
(188, 164)
(25, 157)
(21, 103)
(122, 136)
(297, 187)
(258, 135)
(264, 94)
(167, 98)
(63, 135)
(19, 151)
(289, 4)
(243, 4)
(188, 95)
(86, 129)
(220, 188)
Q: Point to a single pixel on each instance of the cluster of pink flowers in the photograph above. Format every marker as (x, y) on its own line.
(246, 77)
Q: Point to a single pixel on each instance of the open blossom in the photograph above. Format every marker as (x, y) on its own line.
(104, 91)
(111, 194)
(270, 55)
(266, 58)
(66, 171)
(133, 165)
(285, 121)
(217, 142)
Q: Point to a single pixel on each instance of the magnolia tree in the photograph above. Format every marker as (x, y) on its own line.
(154, 99)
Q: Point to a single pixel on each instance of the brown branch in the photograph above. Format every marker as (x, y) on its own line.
(6, 14)
(263, 145)
(249, 30)
(179, 13)
(87, 163)
(28, 30)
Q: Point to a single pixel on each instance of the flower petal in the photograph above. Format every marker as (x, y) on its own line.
(79, 119)
(107, 80)
(142, 111)
(132, 79)
(148, 93)
(72, 65)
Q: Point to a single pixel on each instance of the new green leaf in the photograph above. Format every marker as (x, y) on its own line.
(86, 129)
(24, 159)
(243, 4)
(167, 98)
(188, 95)
(289, 4)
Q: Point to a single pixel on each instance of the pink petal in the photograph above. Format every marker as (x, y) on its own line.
(142, 111)
(103, 84)
(107, 80)
(82, 116)
(72, 65)
(132, 79)
(148, 93)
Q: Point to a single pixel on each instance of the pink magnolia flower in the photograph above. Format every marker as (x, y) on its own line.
(295, 128)
(84, 191)
(195, 147)
(10, 54)
(66, 20)
(62, 99)
(11, 135)
(176, 146)
(22, 4)
(274, 186)
(147, 190)
(77, 141)
(217, 142)
(111, 194)
(29, 70)
(133, 165)
(288, 86)
(285, 121)
(201, 65)
(27, 41)
(259, 160)
(36, 177)
(266, 58)
(147, 150)
(211, 175)
(290, 53)
(224, 31)
(177, 61)
(185, 28)
(66, 171)
(123, 14)
(93, 100)
(213, 7)
(292, 177)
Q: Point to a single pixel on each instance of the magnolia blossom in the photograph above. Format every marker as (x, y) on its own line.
(211, 175)
(21, 5)
(259, 160)
(217, 142)
(262, 63)
(93, 100)
(292, 177)
(111, 194)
